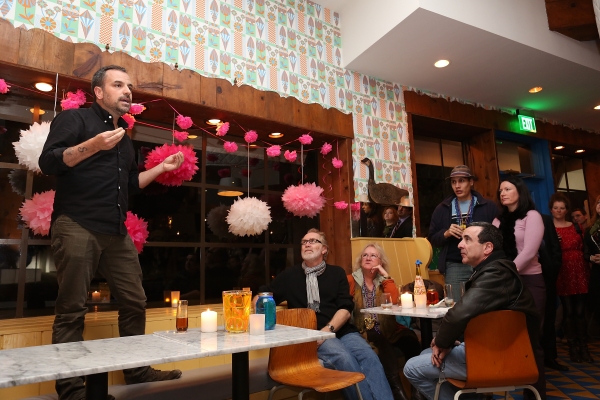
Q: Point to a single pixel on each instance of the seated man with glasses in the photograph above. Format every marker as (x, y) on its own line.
(324, 289)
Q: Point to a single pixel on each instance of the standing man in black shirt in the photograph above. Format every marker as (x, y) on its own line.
(94, 161)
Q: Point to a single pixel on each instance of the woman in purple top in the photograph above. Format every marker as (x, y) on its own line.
(523, 230)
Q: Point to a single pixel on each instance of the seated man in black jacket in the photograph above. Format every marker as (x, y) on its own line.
(324, 288)
(494, 285)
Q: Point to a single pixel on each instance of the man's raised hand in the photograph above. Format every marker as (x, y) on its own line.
(109, 139)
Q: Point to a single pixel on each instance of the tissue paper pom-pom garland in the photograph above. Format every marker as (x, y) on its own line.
(29, 147)
(184, 122)
(130, 119)
(180, 136)
(337, 162)
(248, 216)
(37, 212)
(73, 100)
(136, 109)
(3, 86)
(290, 155)
(340, 205)
(176, 177)
(274, 151)
(355, 211)
(303, 200)
(305, 139)
(137, 229)
(326, 148)
(250, 137)
(222, 128)
(216, 221)
(230, 147)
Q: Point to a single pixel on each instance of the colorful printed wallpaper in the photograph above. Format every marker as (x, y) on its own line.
(293, 47)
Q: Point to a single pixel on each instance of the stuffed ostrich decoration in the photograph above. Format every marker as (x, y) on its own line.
(382, 193)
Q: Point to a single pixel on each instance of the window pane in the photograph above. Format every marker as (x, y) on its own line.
(452, 153)
(514, 157)
(559, 165)
(239, 165)
(427, 151)
(223, 266)
(12, 187)
(575, 174)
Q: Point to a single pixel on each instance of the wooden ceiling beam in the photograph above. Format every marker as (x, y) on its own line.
(572, 18)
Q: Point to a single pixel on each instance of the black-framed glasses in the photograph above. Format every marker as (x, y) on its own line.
(310, 241)
(366, 255)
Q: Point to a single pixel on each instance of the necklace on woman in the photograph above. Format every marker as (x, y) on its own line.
(369, 300)
(463, 222)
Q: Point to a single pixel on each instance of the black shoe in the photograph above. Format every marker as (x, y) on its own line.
(155, 375)
(553, 364)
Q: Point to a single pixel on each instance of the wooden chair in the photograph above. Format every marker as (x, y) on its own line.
(298, 365)
(499, 356)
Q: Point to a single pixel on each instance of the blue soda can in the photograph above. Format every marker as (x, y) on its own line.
(266, 305)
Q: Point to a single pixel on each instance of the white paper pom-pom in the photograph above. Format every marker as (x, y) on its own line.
(248, 216)
(29, 147)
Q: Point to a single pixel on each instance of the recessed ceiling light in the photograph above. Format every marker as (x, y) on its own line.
(44, 87)
(253, 145)
(536, 89)
(41, 112)
(192, 136)
(213, 121)
(559, 147)
(441, 63)
(275, 135)
(597, 107)
(579, 151)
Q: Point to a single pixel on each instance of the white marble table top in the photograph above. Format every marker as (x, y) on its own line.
(43, 363)
(432, 313)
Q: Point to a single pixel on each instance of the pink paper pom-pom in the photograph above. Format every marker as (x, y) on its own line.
(222, 128)
(340, 205)
(37, 212)
(230, 147)
(3, 86)
(305, 139)
(183, 122)
(290, 155)
(176, 177)
(130, 119)
(337, 163)
(326, 148)
(137, 229)
(73, 100)
(250, 137)
(136, 109)
(181, 136)
(355, 208)
(274, 151)
(303, 200)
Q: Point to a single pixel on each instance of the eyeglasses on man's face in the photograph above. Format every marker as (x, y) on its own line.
(304, 242)
(367, 255)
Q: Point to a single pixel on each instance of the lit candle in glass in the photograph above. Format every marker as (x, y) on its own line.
(257, 324)
(421, 300)
(208, 321)
(406, 300)
(174, 299)
(96, 296)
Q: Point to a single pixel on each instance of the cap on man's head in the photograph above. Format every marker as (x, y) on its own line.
(461, 171)
(405, 202)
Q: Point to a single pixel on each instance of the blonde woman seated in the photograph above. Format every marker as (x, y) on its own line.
(369, 280)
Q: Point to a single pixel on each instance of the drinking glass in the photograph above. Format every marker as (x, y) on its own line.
(386, 300)
(462, 289)
(449, 297)
(236, 309)
(181, 322)
(432, 296)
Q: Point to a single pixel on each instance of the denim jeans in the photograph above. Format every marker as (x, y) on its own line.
(455, 274)
(352, 353)
(424, 376)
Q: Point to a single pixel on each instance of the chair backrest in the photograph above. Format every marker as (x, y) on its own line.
(498, 350)
(295, 357)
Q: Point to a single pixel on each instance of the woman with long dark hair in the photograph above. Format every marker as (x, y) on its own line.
(573, 278)
(523, 231)
(591, 253)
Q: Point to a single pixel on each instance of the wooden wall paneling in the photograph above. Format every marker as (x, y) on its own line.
(230, 98)
(31, 46)
(208, 91)
(481, 158)
(57, 55)
(254, 102)
(591, 172)
(10, 43)
(144, 76)
(413, 171)
(572, 18)
(86, 60)
(183, 85)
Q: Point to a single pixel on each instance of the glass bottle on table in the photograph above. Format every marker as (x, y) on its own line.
(420, 292)
(181, 321)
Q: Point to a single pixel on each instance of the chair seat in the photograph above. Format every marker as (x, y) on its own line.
(458, 383)
(320, 379)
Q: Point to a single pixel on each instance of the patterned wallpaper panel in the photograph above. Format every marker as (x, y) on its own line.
(293, 47)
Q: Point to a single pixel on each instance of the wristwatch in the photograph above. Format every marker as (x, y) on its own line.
(331, 328)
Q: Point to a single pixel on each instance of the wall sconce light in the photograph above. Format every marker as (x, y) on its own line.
(234, 185)
(41, 112)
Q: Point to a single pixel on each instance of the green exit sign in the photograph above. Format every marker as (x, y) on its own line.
(526, 124)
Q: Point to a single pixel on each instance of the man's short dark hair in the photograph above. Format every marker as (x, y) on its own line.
(98, 78)
(581, 210)
(489, 233)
